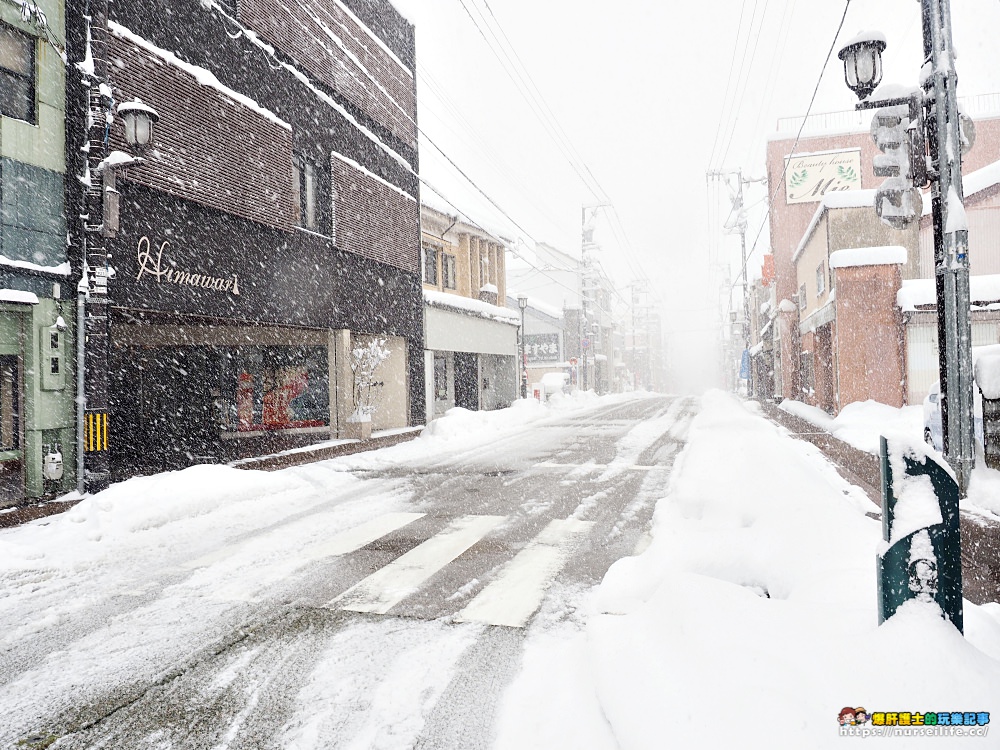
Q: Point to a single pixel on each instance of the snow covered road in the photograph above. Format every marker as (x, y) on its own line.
(377, 600)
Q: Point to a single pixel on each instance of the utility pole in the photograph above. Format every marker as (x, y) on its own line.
(929, 116)
(740, 224)
(926, 563)
(586, 279)
(951, 244)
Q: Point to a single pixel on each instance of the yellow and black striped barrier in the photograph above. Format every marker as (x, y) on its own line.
(95, 436)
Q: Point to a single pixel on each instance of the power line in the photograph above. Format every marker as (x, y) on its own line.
(512, 251)
(734, 111)
(522, 87)
(455, 117)
(781, 180)
(788, 13)
(518, 73)
(729, 80)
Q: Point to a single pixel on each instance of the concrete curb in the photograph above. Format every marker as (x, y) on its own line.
(322, 453)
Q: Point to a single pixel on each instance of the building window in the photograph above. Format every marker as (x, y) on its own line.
(333, 213)
(275, 388)
(449, 271)
(17, 74)
(430, 265)
(305, 174)
(802, 297)
(484, 269)
(309, 189)
(821, 278)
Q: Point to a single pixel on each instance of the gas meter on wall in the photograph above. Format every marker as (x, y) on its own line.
(52, 465)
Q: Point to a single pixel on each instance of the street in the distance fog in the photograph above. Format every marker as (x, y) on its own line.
(382, 596)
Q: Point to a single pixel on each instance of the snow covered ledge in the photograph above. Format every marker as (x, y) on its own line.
(18, 297)
(473, 307)
(887, 255)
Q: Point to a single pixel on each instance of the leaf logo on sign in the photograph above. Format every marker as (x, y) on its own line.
(798, 178)
(847, 174)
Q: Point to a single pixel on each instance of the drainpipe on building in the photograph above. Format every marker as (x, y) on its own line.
(81, 399)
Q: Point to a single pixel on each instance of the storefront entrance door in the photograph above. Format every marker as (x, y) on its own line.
(164, 414)
(11, 453)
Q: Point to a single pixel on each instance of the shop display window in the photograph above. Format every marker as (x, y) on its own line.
(277, 388)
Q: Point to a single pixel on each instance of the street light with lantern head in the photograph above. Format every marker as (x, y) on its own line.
(522, 302)
(862, 58)
(925, 129)
(101, 224)
(934, 128)
(139, 119)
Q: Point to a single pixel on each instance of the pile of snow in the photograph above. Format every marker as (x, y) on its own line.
(987, 374)
(750, 620)
(131, 516)
(554, 382)
(862, 423)
(461, 429)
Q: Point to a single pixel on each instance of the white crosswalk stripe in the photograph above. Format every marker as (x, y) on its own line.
(339, 544)
(517, 592)
(386, 587)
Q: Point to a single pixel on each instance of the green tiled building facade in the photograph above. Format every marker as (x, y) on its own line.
(37, 304)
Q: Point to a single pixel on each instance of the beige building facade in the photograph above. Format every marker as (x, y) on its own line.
(471, 339)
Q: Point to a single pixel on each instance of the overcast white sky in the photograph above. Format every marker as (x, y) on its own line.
(640, 89)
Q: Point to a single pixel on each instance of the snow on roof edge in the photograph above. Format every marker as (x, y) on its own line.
(202, 75)
(836, 199)
(916, 292)
(372, 175)
(63, 269)
(18, 296)
(868, 256)
(471, 306)
(254, 39)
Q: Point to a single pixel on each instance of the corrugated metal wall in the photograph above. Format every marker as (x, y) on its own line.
(922, 356)
(984, 243)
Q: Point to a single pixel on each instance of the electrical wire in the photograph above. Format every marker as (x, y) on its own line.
(781, 180)
(519, 75)
(529, 97)
(729, 80)
(770, 86)
(421, 132)
(735, 112)
(475, 141)
(510, 249)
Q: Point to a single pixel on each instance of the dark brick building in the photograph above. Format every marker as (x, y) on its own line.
(273, 225)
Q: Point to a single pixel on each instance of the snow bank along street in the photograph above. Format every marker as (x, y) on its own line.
(615, 572)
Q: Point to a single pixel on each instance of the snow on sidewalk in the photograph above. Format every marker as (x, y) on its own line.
(750, 620)
(862, 423)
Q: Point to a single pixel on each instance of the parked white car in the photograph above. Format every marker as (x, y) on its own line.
(933, 431)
